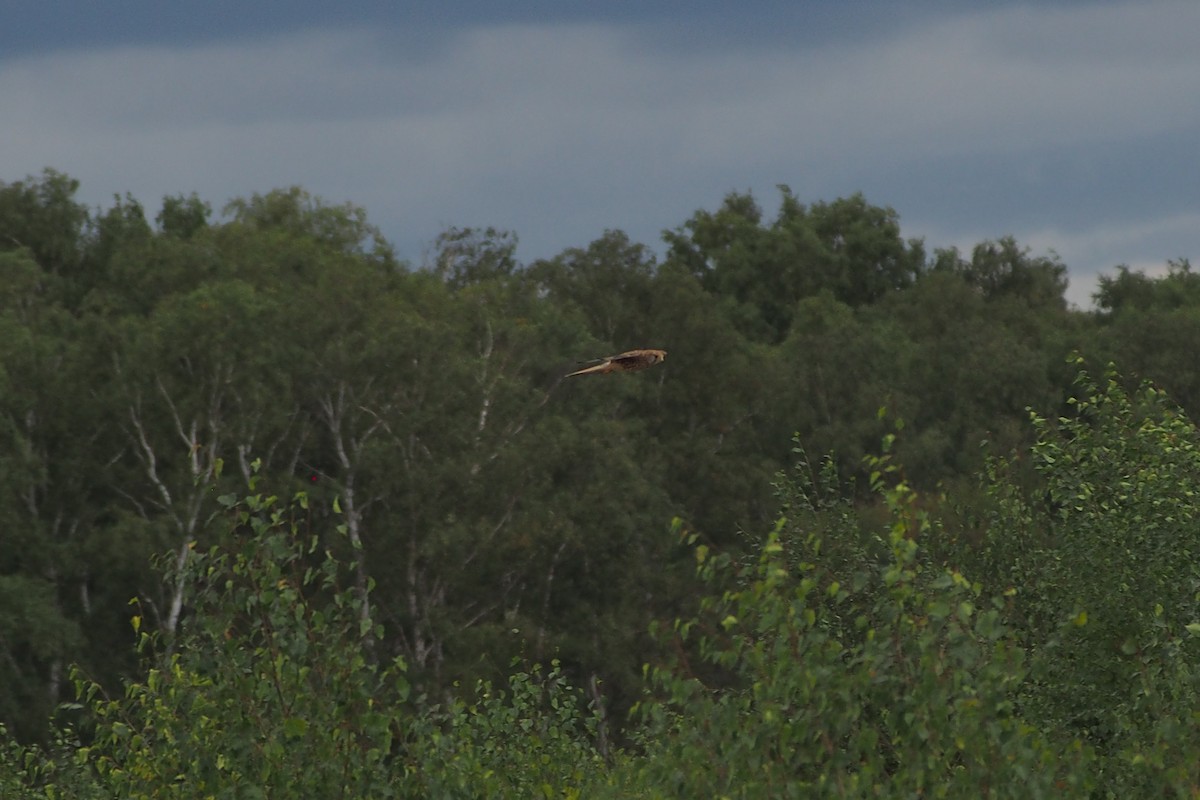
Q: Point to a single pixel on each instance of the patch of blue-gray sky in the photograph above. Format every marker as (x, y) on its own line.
(1071, 125)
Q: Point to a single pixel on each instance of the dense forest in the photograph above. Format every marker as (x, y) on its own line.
(281, 515)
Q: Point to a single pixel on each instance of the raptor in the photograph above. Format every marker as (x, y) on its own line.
(625, 362)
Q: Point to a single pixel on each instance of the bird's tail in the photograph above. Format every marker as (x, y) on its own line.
(594, 368)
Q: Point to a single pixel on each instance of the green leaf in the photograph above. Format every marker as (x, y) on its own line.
(295, 727)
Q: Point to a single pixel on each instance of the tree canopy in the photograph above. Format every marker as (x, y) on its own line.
(252, 457)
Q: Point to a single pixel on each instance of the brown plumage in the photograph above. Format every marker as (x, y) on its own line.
(626, 362)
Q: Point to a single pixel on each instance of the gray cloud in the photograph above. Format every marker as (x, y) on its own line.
(560, 130)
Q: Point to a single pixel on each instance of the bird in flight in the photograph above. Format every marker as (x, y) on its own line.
(625, 362)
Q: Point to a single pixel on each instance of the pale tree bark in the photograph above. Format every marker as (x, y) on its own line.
(425, 597)
(179, 437)
(430, 581)
(425, 593)
(182, 498)
(339, 412)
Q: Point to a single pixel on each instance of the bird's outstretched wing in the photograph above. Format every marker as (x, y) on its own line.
(625, 362)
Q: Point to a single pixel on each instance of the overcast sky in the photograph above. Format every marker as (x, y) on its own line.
(1073, 126)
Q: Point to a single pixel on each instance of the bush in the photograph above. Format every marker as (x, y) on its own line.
(820, 677)
(274, 687)
(847, 655)
(1105, 568)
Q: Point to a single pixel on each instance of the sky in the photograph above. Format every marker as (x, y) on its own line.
(1073, 125)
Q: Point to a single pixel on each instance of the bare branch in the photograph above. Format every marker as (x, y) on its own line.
(188, 441)
(141, 510)
(150, 460)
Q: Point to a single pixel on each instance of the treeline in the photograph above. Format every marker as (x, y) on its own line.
(485, 510)
(835, 657)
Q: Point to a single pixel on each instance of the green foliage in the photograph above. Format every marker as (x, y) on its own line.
(1151, 326)
(534, 740)
(35, 635)
(479, 508)
(1003, 270)
(841, 657)
(867, 255)
(1128, 290)
(55, 771)
(819, 676)
(848, 248)
(42, 217)
(274, 687)
(183, 216)
(296, 213)
(845, 364)
(1105, 575)
(269, 687)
